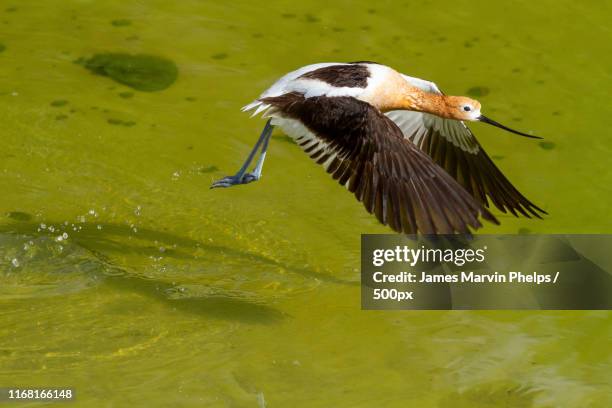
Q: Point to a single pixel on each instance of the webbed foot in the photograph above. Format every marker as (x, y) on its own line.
(230, 181)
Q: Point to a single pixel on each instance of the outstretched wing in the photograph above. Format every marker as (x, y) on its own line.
(365, 151)
(452, 145)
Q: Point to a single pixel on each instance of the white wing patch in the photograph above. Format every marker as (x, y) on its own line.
(287, 84)
(283, 85)
(314, 87)
(308, 141)
(426, 86)
(415, 125)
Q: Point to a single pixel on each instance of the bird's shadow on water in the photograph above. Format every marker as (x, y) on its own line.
(217, 306)
(101, 239)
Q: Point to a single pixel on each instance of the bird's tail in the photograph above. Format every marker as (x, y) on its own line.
(261, 107)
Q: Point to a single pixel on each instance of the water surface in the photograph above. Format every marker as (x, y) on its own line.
(122, 275)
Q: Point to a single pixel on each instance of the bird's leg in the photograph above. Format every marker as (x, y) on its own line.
(242, 177)
(257, 171)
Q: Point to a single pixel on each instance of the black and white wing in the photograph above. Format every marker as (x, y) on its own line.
(366, 152)
(452, 145)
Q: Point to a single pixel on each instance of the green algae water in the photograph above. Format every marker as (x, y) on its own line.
(124, 277)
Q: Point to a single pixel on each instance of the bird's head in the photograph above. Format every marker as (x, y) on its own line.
(464, 108)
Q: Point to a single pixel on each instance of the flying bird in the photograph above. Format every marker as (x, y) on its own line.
(396, 142)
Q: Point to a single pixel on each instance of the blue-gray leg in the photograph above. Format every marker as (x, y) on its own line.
(242, 177)
(257, 171)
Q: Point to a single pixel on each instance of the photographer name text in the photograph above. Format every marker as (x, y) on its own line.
(465, 277)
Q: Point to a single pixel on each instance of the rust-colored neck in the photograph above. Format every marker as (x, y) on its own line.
(397, 94)
(417, 100)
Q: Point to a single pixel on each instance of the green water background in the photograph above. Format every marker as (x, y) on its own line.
(172, 294)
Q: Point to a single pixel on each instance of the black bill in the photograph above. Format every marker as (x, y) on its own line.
(484, 119)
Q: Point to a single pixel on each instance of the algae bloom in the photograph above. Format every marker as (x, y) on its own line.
(146, 73)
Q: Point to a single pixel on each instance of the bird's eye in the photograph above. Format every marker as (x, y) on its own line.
(467, 108)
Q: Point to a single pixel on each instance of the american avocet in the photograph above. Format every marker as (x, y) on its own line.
(397, 142)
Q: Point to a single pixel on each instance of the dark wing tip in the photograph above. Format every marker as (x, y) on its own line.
(508, 199)
(488, 215)
(478, 174)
